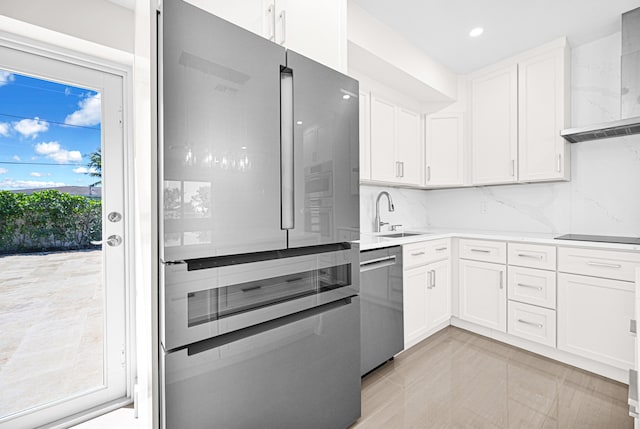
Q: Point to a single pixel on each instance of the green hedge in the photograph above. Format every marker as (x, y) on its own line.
(48, 220)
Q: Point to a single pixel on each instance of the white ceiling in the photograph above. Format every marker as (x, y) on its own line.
(441, 27)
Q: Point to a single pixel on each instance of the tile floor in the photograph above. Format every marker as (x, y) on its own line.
(51, 325)
(457, 379)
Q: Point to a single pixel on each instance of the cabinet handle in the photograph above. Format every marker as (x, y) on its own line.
(271, 13)
(417, 254)
(530, 286)
(603, 264)
(401, 168)
(433, 279)
(526, 322)
(524, 255)
(283, 15)
(481, 250)
(428, 173)
(440, 249)
(513, 167)
(397, 168)
(429, 278)
(501, 279)
(633, 326)
(559, 162)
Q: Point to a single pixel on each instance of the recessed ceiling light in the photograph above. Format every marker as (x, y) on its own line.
(476, 32)
(346, 96)
(299, 122)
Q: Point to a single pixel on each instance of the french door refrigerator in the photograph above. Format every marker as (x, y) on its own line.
(259, 306)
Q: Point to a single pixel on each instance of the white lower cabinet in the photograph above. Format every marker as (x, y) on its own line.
(483, 294)
(415, 285)
(438, 293)
(593, 319)
(532, 323)
(427, 300)
(427, 288)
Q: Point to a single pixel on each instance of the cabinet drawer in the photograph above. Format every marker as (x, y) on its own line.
(481, 250)
(532, 323)
(598, 263)
(532, 286)
(417, 254)
(532, 256)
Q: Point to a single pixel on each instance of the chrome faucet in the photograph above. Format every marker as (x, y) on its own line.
(377, 222)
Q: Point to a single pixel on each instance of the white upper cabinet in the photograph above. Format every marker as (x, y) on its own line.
(396, 143)
(409, 147)
(317, 30)
(542, 114)
(365, 136)
(383, 138)
(444, 149)
(494, 126)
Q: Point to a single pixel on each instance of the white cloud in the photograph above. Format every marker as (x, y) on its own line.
(84, 170)
(4, 129)
(16, 158)
(35, 174)
(5, 77)
(26, 184)
(54, 151)
(47, 148)
(89, 113)
(31, 127)
(3, 170)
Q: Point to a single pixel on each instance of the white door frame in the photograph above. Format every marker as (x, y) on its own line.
(57, 46)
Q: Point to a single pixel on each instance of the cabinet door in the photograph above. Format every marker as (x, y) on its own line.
(483, 296)
(383, 135)
(542, 113)
(365, 137)
(494, 126)
(257, 16)
(409, 147)
(444, 149)
(439, 294)
(415, 283)
(316, 29)
(593, 319)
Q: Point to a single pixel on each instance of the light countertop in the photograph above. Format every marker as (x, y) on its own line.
(375, 240)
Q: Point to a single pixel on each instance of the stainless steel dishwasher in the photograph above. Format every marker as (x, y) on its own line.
(381, 324)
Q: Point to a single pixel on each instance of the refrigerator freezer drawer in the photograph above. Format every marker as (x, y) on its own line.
(203, 303)
(301, 371)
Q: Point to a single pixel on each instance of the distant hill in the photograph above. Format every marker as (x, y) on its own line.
(96, 191)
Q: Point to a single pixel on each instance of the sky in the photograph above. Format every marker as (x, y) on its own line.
(47, 131)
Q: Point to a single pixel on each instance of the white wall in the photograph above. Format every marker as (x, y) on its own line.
(99, 21)
(603, 196)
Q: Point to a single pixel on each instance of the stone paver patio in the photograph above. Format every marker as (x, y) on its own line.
(51, 327)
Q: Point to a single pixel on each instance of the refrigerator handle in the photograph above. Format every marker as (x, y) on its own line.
(286, 149)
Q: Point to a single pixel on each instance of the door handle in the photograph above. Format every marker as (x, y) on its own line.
(112, 240)
(283, 20)
(271, 13)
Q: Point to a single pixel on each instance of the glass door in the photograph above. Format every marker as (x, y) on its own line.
(62, 240)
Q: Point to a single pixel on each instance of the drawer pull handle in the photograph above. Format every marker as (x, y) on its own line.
(440, 249)
(633, 326)
(530, 286)
(501, 280)
(417, 254)
(526, 322)
(603, 264)
(481, 250)
(524, 255)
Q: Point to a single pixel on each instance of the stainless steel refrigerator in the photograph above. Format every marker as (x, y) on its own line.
(259, 306)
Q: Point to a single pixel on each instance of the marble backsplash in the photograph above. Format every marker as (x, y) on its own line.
(603, 196)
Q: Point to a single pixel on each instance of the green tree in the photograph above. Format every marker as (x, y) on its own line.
(95, 165)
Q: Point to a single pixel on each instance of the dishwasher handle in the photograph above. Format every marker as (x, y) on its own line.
(374, 264)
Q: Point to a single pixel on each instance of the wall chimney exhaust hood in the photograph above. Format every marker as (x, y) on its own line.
(629, 122)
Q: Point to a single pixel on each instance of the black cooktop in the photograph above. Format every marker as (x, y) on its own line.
(600, 238)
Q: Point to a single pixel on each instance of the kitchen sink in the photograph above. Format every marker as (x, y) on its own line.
(401, 234)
